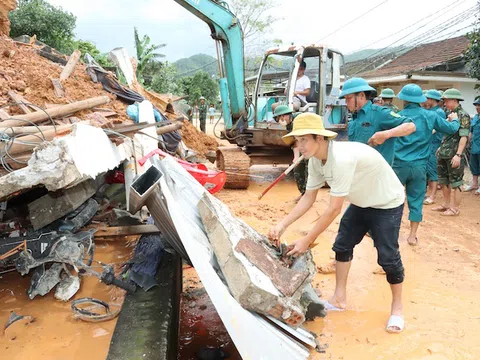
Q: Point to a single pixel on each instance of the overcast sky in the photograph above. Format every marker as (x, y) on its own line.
(109, 23)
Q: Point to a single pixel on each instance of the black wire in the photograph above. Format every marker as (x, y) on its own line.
(9, 140)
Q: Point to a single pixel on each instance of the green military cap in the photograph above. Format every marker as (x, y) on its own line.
(387, 94)
(452, 94)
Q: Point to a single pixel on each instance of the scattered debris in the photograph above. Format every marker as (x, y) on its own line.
(15, 317)
(98, 310)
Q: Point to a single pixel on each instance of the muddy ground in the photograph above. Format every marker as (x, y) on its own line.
(441, 293)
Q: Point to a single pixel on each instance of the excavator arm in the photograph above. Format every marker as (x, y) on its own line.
(227, 32)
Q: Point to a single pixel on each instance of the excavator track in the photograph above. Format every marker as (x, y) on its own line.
(236, 164)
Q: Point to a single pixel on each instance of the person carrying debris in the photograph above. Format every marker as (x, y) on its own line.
(451, 165)
(202, 113)
(433, 99)
(413, 151)
(368, 119)
(475, 149)
(285, 116)
(350, 168)
(387, 96)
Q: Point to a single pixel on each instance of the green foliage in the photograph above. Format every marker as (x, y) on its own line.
(52, 25)
(146, 52)
(256, 22)
(472, 54)
(90, 48)
(188, 66)
(200, 84)
(163, 79)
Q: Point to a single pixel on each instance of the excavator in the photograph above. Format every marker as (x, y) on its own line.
(248, 118)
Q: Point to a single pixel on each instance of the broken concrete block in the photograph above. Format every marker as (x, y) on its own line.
(286, 280)
(250, 281)
(67, 161)
(55, 205)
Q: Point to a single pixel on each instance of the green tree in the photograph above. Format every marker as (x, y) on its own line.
(472, 54)
(90, 48)
(146, 52)
(164, 79)
(256, 21)
(200, 84)
(52, 25)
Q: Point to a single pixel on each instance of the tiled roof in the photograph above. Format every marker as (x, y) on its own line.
(422, 57)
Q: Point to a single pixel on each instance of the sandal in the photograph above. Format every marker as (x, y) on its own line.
(428, 201)
(450, 212)
(440, 208)
(470, 188)
(477, 192)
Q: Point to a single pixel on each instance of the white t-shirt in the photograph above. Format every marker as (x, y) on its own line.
(359, 173)
(302, 84)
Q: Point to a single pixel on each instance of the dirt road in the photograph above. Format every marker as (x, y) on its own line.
(442, 284)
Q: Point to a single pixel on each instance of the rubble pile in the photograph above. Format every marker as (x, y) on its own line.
(24, 71)
(200, 142)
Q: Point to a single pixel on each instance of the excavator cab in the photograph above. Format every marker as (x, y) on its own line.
(277, 79)
(275, 84)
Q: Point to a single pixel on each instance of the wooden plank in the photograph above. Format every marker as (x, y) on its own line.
(72, 62)
(58, 112)
(4, 115)
(126, 230)
(58, 88)
(19, 100)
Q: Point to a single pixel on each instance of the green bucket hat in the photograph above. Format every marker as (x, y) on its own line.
(387, 94)
(452, 94)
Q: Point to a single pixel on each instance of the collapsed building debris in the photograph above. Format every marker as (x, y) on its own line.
(209, 235)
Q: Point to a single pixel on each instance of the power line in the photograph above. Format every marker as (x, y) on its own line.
(413, 24)
(351, 22)
(196, 69)
(422, 37)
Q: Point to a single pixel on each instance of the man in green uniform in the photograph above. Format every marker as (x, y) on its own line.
(285, 116)
(433, 99)
(202, 113)
(369, 119)
(387, 96)
(412, 151)
(451, 164)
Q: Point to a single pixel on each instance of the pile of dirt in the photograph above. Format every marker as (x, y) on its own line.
(196, 140)
(27, 73)
(5, 7)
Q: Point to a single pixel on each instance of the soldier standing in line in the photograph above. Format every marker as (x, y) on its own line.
(202, 114)
(387, 96)
(451, 165)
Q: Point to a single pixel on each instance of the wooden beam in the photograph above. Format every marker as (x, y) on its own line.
(19, 100)
(4, 115)
(126, 230)
(57, 112)
(72, 62)
(58, 88)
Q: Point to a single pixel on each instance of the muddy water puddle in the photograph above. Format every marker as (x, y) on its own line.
(55, 334)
